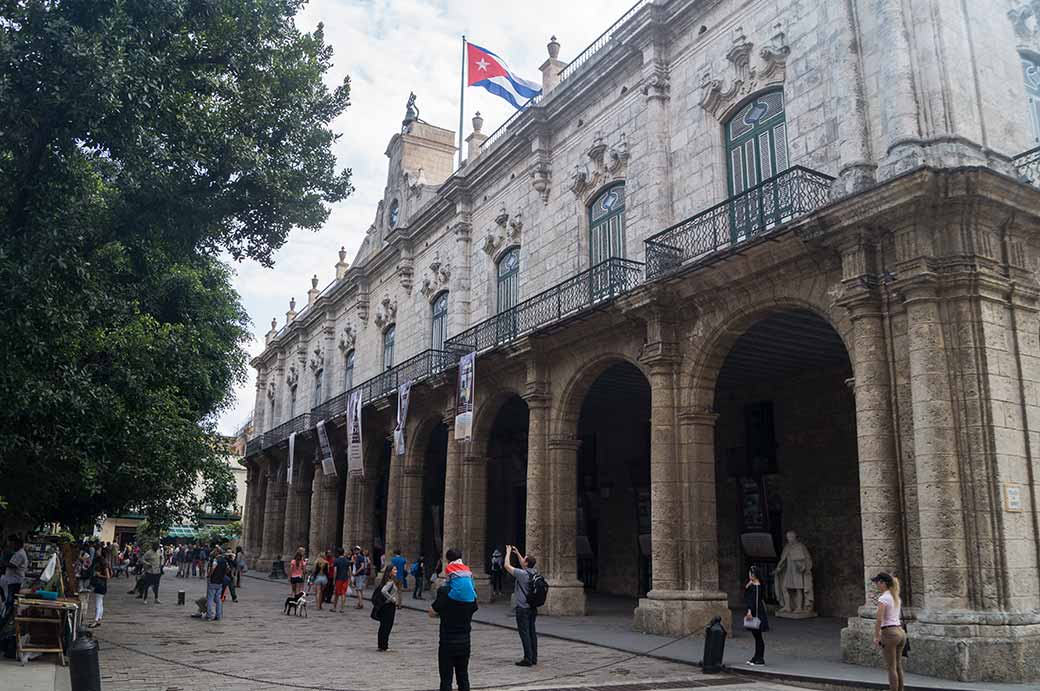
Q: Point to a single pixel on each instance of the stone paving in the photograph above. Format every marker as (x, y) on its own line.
(148, 647)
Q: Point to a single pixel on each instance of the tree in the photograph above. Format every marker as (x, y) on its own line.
(139, 143)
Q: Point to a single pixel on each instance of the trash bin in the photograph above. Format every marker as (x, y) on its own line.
(84, 666)
(180, 597)
(714, 646)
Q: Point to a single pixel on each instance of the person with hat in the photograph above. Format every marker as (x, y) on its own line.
(888, 628)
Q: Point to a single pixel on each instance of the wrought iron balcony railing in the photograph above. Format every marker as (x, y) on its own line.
(601, 283)
(750, 214)
(255, 445)
(1028, 165)
(298, 424)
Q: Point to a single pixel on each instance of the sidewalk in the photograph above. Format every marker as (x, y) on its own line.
(42, 674)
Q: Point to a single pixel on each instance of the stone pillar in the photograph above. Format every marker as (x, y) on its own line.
(567, 593)
(897, 99)
(657, 173)
(410, 519)
(552, 67)
(474, 523)
(274, 516)
(536, 537)
(453, 492)
(394, 502)
(329, 496)
(459, 315)
(297, 515)
(255, 546)
(319, 514)
(248, 511)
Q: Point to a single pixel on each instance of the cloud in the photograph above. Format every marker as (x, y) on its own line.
(390, 49)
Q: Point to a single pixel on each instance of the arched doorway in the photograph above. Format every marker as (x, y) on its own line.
(506, 479)
(613, 527)
(431, 539)
(380, 488)
(786, 458)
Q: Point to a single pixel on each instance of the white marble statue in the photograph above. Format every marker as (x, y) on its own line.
(792, 583)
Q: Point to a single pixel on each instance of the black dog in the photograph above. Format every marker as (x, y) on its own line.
(296, 604)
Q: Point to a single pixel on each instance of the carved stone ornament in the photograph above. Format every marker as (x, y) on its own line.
(657, 83)
(292, 377)
(348, 338)
(436, 279)
(386, 312)
(606, 163)
(509, 232)
(718, 99)
(406, 273)
(415, 183)
(541, 177)
(1025, 17)
(317, 359)
(272, 390)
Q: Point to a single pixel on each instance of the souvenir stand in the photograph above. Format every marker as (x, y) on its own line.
(45, 611)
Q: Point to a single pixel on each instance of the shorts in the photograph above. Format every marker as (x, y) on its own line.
(341, 588)
(320, 580)
(360, 582)
(296, 579)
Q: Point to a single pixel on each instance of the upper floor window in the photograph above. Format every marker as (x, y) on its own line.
(508, 280)
(756, 142)
(348, 371)
(607, 225)
(440, 321)
(388, 347)
(1031, 69)
(319, 376)
(395, 212)
(292, 403)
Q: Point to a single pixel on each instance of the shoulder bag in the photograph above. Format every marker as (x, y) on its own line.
(753, 623)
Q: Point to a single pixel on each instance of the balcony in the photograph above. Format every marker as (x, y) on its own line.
(1028, 165)
(590, 288)
(751, 214)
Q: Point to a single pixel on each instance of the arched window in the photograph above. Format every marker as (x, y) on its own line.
(1031, 69)
(348, 371)
(756, 150)
(440, 321)
(508, 280)
(319, 376)
(607, 225)
(388, 347)
(292, 403)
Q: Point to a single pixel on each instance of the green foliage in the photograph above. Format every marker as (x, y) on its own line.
(139, 141)
(219, 534)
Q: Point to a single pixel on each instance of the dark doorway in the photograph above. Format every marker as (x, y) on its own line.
(434, 469)
(507, 478)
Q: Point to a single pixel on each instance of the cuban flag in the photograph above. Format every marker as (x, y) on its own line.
(491, 72)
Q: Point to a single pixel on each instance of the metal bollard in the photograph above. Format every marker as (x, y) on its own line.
(180, 597)
(714, 646)
(84, 667)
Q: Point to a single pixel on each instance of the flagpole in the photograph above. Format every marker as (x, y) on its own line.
(462, 94)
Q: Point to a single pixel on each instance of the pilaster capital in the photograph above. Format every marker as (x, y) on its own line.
(564, 442)
(922, 286)
(704, 418)
(660, 356)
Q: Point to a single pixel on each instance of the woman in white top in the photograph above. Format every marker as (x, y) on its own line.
(384, 606)
(888, 628)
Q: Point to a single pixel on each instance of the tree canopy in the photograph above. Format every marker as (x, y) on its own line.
(141, 142)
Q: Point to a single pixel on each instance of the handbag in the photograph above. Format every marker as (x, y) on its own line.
(906, 641)
(754, 623)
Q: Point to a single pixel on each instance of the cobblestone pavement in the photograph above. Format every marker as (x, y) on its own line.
(146, 647)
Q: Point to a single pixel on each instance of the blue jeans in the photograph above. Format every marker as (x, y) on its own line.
(213, 601)
(525, 618)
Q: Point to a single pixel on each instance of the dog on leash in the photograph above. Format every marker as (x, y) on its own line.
(296, 604)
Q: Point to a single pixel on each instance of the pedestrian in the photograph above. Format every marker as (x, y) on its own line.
(496, 572)
(418, 573)
(384, 606)
(361, 569)
(16, 562)
(296, 568)
(456, 618)
(399, 563)
(152, 572)
(240, 565)
(341, 571)
(888, 628)
(756, 618)
(369, 566)
(215, 585)
(229, 578)
(320, 579)
(526, 614)
(330, 589)
(102, 572)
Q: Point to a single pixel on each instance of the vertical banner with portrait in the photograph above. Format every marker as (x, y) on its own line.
(355, 459)
(404, 392)
(292, 453)
(464, 397)
(328, 464)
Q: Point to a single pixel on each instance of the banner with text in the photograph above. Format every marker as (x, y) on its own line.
(292, 449)
(355, 458)
(404, 392)
(464, 397)
(328, 463)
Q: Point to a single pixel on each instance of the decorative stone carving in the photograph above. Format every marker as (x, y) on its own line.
(361, 302)
(657, 84)
(347, 339)
(292, 377)
(793, 584)
(436, 279)
(415, 183)
(317, 361)
(606, 164)
(272, 390)
(718, 99)
(508, 233)
(406, 274)
(1025, 17)
(541, 176)
(386, 312)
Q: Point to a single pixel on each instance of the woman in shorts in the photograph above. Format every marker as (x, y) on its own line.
(296, 568)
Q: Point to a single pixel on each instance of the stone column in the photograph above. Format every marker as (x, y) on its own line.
(274, 516)
(292, 521)
(567, 593)
(473, 510)
(453, 492)
(318, 514)
(394, 502)
(329, 496)
(410, 518)
(536, 537)
(255, 546)
(657, 174)
(247, 510)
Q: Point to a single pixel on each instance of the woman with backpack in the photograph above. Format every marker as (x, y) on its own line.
(384, 606)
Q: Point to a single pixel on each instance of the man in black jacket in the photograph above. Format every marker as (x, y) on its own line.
(453, 654)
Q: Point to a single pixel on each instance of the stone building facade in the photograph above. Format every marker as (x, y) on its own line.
(744, 267)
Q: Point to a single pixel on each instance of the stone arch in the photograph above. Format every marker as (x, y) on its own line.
(486, 411)
(572, 394)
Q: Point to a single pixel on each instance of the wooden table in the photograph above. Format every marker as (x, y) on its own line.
(61, 614)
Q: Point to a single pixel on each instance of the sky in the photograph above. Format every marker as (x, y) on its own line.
(389, 48)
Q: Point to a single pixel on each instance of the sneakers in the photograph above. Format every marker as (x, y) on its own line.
(157, 602)
(524, 663)
(755, 663)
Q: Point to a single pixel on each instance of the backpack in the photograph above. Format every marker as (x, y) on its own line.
(538, 590)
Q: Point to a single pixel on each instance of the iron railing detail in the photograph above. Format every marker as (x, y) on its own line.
(1028, 165)
(589, 288)
(298, 424)
(255, 445)
(750, 214)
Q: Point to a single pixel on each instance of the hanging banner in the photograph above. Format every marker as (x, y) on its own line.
(404, 392)
(355, 460)
(292, 449)
(328, 464)
(464, 397)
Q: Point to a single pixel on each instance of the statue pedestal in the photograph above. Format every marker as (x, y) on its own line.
(795, 615)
